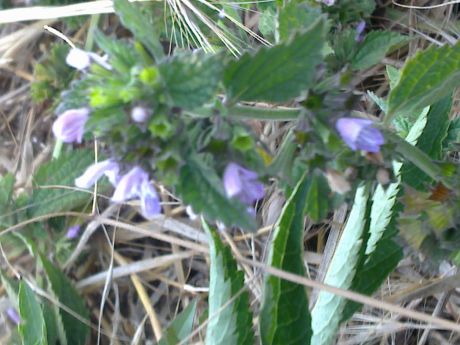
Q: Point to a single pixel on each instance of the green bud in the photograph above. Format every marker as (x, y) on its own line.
(149, 76)
(242, 140)
(160, 127)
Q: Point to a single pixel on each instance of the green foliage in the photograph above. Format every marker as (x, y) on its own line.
(6, 200)
(230, 318)
(295, 16)
(201, 187)
(181, 326)
(191, 79)
(50, 194)
(424, 80)
(140, 25)
(317, 202)
(430, 142)
(376, 45)
(279, 73)
(32, 328)
(327, 312)
(284, 317)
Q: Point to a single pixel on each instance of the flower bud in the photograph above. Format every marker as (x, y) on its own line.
(73, 232)
(359, 134)
(70, 125)
(140, 114)
(78, 59)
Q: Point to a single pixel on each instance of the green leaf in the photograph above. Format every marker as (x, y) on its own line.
(294, 16)
(47, 196)
(393, 76)
(201, 188)
(181, 326)
(279, 73)
(317, 203)
(32, 328)
(76, 332)
(376, 45)
(190, 80)
(425, 79)
(284, 317)
(11, 286)
(140, 25)
(453, 135)
(328, 310)
(6, 200)
(230, 317)
(430, 142)
(122, 55)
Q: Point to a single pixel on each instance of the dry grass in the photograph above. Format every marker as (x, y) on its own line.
(136, 276)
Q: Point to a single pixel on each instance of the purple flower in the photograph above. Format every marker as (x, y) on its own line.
(242, 184)
(328, 2)
(70, 125)
(95, 172)
(73, 232)
(140, 114)
(135, 184)
(360, 31)
(359, 134)
(81, 59)
(13, 315)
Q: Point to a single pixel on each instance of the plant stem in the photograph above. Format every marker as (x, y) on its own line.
(247, 112)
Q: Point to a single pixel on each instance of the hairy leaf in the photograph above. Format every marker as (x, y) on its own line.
(279, 73)
(230, 318)
(50, 193)
(202, 188)
(181, 326)
(32, 328)
(190, 80)
(376, 45)
(294, 16)
(285, 318)
(424, 80)
(328, 310)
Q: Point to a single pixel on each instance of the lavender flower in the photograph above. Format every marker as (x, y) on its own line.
(73, 232)
(360, 31)
(81, 59)
(140, 114)
(359, 134)
(70, 125)
(328, 2)
(135, 184)
(242, 184)
(95, 172)
(13, 315)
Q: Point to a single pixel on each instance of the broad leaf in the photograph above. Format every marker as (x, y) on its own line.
(32, 328)
(140, 25)
(181, 326)
(279, 73)
(230, 317)
(54, 183)
(201, 188)
(328, 310)
(284, 318)
(191, 79)
(75, 330)
(376, 45)
(425, 79)
(317, 203)
(294, 16)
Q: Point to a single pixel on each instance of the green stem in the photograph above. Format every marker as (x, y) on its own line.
(246, 112)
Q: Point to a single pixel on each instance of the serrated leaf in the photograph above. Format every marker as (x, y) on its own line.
(181, 326)
(425, 79)
(376, 45)
(328, 310)
(430, 142)
(32, 328)
(284, 317)
(76, 332)
(60, 172)
(201, 188)
(230, 317)
(191, 79)
(279, 73)
(140, 25)
(393, 76)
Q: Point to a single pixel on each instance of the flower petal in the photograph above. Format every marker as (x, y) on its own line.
(129, 185)
(150, 203)
(70, 125)
(78, 59)
(95, 172)
(232, 180)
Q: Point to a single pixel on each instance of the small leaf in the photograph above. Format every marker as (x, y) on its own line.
(140, 25)
(181, 326)
(376, 45)
(279, 73)
(284, 317)
(328, 310)
(393, 76)
(230, 317)
(32, 328)
(424, 80)
(190, 80)
(201, 188)
(317, 205)
(122, 56)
